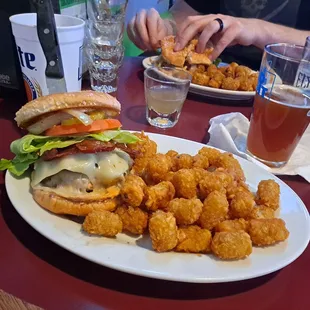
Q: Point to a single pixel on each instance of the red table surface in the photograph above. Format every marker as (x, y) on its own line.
(42, 273)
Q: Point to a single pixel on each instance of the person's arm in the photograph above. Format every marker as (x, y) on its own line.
(273, 33)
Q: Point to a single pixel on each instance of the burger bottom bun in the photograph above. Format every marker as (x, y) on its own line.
(60, 205)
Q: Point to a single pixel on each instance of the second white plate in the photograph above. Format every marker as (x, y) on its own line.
(209, 91)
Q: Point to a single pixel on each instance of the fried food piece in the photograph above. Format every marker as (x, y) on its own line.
(194, 58)
(253, 79)
(242, 205)
(185, 183)
(167, 51)
(262, 212)
(210, 153)
(245, 83)
(223, 69)
(158, 166)
(143, 148)
(199, 174)
(163, 231)
(230, 164)
(139, 166)
(132, 190)
(217, 80)
(268, 194)
(236, 187)
(231, 245)
(230, 84)
(210, 183)
(214, 211)
(183, 161)
(200, 78)
(172, 153)
(104, 223)
(193, 239)
(267, 231)
(212, 70)
(169, 176)
(186, 211)
(134, 219)
(242, 71)
(231, 69)
(159, 195)
(200, 161)
(232, 225)
(226, 178)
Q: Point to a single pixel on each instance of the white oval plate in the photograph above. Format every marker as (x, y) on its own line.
(134, 255)
(209, 91)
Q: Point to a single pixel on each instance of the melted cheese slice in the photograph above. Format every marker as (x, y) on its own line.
(100, 168)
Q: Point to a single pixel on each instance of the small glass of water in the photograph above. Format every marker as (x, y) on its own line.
(165, 92)
(105, 30)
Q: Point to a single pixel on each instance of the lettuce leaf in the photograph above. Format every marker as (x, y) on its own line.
(29, 148)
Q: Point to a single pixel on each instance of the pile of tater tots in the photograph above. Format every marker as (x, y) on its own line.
(194, 204)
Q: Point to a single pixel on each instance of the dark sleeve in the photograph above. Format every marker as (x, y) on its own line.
(303, 20)
(205, 6)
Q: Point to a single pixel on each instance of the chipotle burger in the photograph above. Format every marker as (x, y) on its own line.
(76, 150)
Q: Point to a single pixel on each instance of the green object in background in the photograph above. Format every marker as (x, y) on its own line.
(130, 48)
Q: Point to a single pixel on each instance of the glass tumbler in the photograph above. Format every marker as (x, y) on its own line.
(105, 52)
(165, 92)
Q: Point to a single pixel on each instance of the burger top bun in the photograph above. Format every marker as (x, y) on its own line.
(56, 102)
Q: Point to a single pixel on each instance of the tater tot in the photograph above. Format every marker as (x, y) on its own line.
(230, 70)
(186, 211)
(132, 191)
(231, 164)
(212, 70)
(134, 219)
(268, 194)
(139, 166)
(163, 231)
(243, 71)
(158, 166)
(183, 161)
(200, 161)
(210, 183)
(265, 232)
(169, 176)
(262, 212)
(242, 205)
(143, 148)
(159, 195)
(231, 245)
(230, 83)
(104, 223)
(232, 225)
(226, 178)
(200, 78)
(185, 183)
(193, 239)
(214, 211)
(210, 153)
(234, 188)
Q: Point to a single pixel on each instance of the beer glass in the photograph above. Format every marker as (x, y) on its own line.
(105, 51)
(281, 106)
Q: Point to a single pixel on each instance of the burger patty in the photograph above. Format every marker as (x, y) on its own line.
(86, 146)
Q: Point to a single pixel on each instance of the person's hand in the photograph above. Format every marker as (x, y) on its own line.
(235, 31)
(147, 28)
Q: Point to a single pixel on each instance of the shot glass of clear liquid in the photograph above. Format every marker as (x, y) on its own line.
(165, 92)
(105, 52)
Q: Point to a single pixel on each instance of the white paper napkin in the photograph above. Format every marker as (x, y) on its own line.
(229, 132)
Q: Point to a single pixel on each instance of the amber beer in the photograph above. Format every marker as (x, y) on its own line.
(277, 124)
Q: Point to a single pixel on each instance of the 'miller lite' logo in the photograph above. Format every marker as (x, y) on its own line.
(26, 59)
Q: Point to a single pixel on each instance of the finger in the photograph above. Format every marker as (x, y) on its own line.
(133, 35)
(227, 38)
(210, 30)
(153, 23)
(141, 29)
(188, 21)
(184, 36)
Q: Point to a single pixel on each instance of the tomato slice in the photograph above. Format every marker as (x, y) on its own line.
(98, 125)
